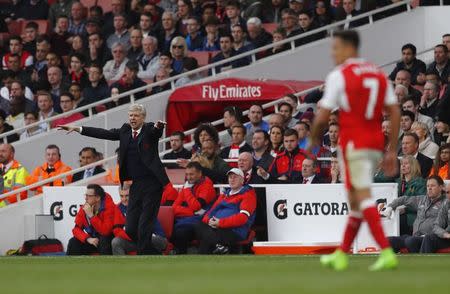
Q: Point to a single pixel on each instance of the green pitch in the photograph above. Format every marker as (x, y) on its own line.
(218, 274)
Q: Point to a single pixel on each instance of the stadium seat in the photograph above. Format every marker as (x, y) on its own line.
(166, 218)
(201, 56)
(176, 176)
(445, 250)
(4, 37)
(15, 27)
(270, 27)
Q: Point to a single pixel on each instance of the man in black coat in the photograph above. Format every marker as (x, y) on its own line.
(410, 146)
(410, 63)
(309, 174)
(139, 162)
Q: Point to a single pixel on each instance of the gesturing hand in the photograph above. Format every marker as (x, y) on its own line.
(69, 129)
(160, 124)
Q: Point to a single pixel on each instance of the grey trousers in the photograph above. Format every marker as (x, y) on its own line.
(121, 246)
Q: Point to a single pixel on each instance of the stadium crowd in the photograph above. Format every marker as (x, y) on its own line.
(87, 57)
(76, 50)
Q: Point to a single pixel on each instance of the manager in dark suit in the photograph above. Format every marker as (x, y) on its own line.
(139, 162)
(309, 175)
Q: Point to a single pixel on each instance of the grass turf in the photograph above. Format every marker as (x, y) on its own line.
(218, 274)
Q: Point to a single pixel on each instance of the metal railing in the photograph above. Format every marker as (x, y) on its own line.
(90, 107)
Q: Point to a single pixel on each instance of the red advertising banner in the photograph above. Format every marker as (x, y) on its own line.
(191, 105)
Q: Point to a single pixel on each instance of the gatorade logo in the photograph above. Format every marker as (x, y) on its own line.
(280, 209)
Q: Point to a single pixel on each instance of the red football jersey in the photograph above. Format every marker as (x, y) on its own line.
(360, 90)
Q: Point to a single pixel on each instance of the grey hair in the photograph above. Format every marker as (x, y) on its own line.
(173, 15)
(151, 38)
(137, 108)
(399, 86)
(118, 44)
(255, 21)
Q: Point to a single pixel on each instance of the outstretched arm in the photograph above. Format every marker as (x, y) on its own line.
(112, 134)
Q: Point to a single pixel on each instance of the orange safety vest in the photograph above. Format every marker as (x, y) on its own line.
(40, 173)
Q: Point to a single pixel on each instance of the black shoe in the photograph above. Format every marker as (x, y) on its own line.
(221, 249)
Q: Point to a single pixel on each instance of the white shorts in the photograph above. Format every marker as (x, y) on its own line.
(358, 166)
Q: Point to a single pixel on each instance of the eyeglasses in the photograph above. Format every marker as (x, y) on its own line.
(177, 46)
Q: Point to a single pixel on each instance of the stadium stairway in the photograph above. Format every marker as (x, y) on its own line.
(381, 43)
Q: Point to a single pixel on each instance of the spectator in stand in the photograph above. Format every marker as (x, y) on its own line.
(333, 135)
(58, 8)
(60, 38)
(118, 7)
(114, 69)
(401, 92)
(441, 162)
(122, 244)
(67, 103)
(39, 70)
(178, 151)
(426, 146)
(441, 133)
(322, 13)
(135, 44)
(409, 61)
(45, 107)
(179, 52)
(77, 21)
(211, 40)
(129, 81)
(276, 140)
(256, 122)
(336, 176)
(213, 166)
(146, 24)
(161, 75)
(208, 10)
(194, 199)
(309, 172)
(430, 100)
(16, 72)
(446, 41)
(93, 224)
(410, 182)
(231, 115)
(412, 105)
(168, 32)
(29, 37)
(77, 73)
(98, 51)
(296, 5)
(233, 16)
(184, 10)
(19, 105)
(286, 110)
(427, 208)
(293, 101)
(287, 167)
(306, 23)
(121, 34)
(93, 26)
(87, 156)
(194, 38)
(16, 47)
(230, 218)
(238, 144)
(75, 90)
(189, 65)
(55, 79)
(13, 174)
(31, 117)
(276, 119)
(32, 9)
(441, 64)
(386, 128)
(406, 121)
(403, 77)
(165, 62)
(203, 133)
(410, 146)
(148, 60)
(257, 35)
(240, 43)
(245, 164)
(252, 8)
(289, 22)
(440, 237)
(302, 129)
(278, 35)
(261, 150)
(5, 127)
(347, 12)
(97, 88)
(52, 167)
(273, 10)
(227, 51)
